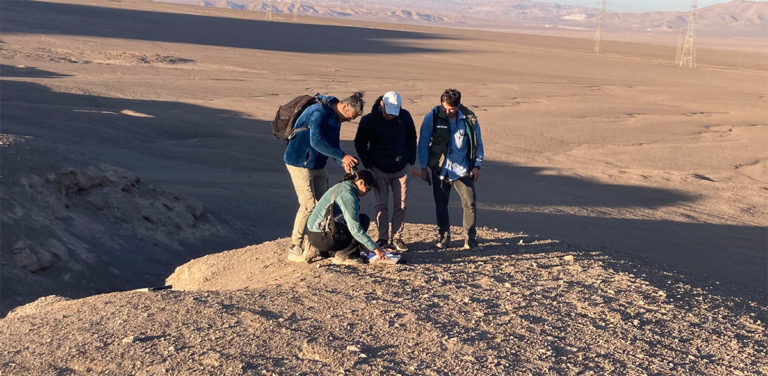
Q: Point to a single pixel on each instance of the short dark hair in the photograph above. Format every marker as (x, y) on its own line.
(356, 101)
(365, 175)
(451, 96)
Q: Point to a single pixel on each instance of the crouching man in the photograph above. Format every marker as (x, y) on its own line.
(336, 226)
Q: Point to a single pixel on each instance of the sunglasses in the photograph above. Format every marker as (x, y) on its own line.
(450, 93)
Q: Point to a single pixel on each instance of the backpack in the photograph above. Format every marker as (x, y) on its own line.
(328, 224)
(287, 114)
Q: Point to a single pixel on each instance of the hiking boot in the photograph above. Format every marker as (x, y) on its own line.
(296, 254)
(472, 244)
(382, 243)
(347, 260)
(400, 245)
(444, 241)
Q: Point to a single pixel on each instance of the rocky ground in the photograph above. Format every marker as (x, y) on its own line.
(135, 137)
(522, 305)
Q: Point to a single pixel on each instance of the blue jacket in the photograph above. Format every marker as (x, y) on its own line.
(456, 164)
(310, 148)
(386, 145)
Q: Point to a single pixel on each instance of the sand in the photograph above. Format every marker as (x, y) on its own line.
(135, 137)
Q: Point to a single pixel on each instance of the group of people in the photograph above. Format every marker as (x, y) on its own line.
(329, 222)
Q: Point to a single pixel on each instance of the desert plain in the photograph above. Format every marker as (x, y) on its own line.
(623, 202)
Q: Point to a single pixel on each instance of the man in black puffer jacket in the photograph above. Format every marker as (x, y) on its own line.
(386, 144)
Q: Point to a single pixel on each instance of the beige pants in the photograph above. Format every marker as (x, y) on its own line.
(398, 183)
(309, 186)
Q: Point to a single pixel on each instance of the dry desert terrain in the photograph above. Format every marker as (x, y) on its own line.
(623, 201)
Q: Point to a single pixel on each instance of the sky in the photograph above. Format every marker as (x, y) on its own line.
(638, 5)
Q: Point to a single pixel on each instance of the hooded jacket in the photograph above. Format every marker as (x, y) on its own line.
(387, 146)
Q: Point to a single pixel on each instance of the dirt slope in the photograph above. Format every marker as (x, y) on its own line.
(521, 306)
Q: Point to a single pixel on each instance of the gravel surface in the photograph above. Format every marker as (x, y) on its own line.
(520, 306)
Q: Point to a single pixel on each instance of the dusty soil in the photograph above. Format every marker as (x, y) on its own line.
(628, 200)
(520, 306)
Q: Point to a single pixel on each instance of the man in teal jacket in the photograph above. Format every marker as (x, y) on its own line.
(316, 139)
(347, 232)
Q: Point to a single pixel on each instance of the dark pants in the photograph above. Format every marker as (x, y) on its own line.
(441, 190)
(341, 244)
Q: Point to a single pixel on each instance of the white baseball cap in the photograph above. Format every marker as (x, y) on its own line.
(392, 103)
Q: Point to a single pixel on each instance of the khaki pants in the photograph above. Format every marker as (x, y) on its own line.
(309, 185)
(398, 182)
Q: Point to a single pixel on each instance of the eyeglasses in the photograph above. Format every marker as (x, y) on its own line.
(451, 93)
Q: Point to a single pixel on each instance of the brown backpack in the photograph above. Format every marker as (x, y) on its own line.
(287, 114)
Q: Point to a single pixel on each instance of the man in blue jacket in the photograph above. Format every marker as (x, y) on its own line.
(451, 147)
(386, 144)
(316, 139)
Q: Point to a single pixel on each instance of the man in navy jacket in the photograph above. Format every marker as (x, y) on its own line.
(316, 139)
(386, 144)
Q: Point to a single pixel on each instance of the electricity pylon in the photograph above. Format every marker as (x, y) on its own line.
(679, 51)
(269, 11)
(689, 51)
(599, 32)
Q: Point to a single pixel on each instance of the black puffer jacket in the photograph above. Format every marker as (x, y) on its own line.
(386, 145)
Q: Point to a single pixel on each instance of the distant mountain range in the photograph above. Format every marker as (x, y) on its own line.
(736, 18)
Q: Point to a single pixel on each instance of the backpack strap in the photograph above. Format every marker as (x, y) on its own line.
(435, 113)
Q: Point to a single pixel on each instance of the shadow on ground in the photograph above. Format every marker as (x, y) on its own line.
(521, 199)
(36, 17)
(233, 165)
(22, 71)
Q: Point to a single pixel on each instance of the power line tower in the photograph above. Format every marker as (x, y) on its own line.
(679, 51)
(689, 51)
(269, 11)
(599, 32)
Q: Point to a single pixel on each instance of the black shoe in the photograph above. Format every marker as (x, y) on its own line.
(382, 243)
(444, 241)
(400, 245)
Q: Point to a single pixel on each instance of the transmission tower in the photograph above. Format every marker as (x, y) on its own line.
(679, 51)
(689, 51)
(599, 32)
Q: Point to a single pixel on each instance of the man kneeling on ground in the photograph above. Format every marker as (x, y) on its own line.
(342, 230)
